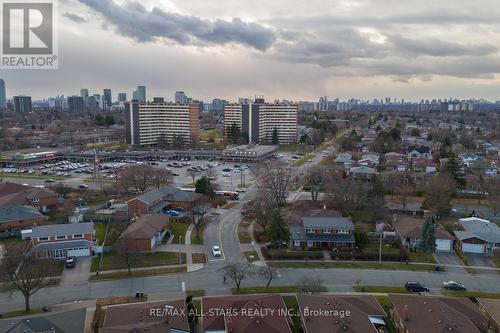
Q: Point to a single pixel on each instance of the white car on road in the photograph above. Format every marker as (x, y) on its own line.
(216, 251)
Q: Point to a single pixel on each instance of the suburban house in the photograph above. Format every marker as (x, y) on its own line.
(478, 235)
(429, 314)
(70, 321)
(145, 232)
(158, 200)
(362, 173)
(409, 230)
(159, 317)
(17, 195)
(491, 308)
(59, 241)
(16, 218)
(421, 152)
(369, 160)
(245, 314)
(323, 229)
(365, 313)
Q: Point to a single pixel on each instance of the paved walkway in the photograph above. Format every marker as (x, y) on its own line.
(189, 251)
(256, 247)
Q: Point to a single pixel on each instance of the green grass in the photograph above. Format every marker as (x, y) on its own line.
(113, 261)
(374, 248)
(31, 176)
(271, 290)
(474, 294)
(294, 148)
(243, 234)
(251, 253)
(206, 134)
(199, 258)
(354, 265)
(422, 257)
(178, 229)
(380, 289)
(100, 231)
(18, 313)
(496, 261)
(11, 240)
(293, 308)
(198, 240)
(138, 273)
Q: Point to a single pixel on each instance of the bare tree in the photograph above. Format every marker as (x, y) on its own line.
(275, 180)
(237, 271)
(161, 177)
(269, 273)
(24, 273)
(124, 250)
(260, 210)
(193, 173)
(315, 180)
(198, 215)
(310, 285)
(345, 194)
(493, 190)
(140, 177)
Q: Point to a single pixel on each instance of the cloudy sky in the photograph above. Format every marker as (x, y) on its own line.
(292, 49)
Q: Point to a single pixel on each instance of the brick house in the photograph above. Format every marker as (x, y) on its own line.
(158, 200)
(410, 229)
(59, 241)
(324, 229)
(441, 314)
(478, 235)
(41, 198)
(14, 219)
(146, 232)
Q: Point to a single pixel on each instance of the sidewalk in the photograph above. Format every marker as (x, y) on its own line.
(256, 247)
(189, 258)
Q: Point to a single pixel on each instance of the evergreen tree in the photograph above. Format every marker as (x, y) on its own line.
(428, 244)
(278, 230)
(454, 167)
(275, 138)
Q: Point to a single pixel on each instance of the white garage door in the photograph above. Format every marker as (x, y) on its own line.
(443, 245)
(79, 252)
(472, 248)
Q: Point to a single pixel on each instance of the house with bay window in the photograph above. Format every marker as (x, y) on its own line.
(322, 231)
(60, 241)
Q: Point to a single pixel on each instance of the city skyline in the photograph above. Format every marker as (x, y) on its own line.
(344, 49)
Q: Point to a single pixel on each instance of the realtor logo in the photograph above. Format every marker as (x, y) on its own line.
(28, 35)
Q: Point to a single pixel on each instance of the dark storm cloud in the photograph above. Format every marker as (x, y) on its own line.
(75, 18)
(133, 20)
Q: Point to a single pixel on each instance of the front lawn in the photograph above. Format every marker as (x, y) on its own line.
(474, 294)
(198, 240)
(178, 229)
(355, 265)
(271, 290)
(114, 261)
(422, 257)
(100, 232)
(18, 313)
(380, 289)
(371, 248)
(138, 273)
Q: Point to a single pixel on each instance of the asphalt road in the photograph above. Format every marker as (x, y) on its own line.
(210, 279)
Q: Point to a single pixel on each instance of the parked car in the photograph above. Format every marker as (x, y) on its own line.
(83, 186)
(453, 285)
(50, 180)
(415, 287)
(216, 251)
(172, 212)
(70, 262)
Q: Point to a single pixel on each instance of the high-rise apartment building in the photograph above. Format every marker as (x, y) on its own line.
(149, 123)
(22, 103)
(259, 119)
(122, 97)
(140, 93)
(180, 97)
(76, 104)
(107, 99)
(84, 93)
(3, 95)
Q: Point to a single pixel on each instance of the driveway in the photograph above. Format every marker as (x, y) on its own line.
(448, 258)
(476, 259)
(79, 274)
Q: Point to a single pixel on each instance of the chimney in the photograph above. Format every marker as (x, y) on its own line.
(405, 313)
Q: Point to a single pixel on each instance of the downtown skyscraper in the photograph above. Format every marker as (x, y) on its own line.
(3, 95)
(107, 99)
